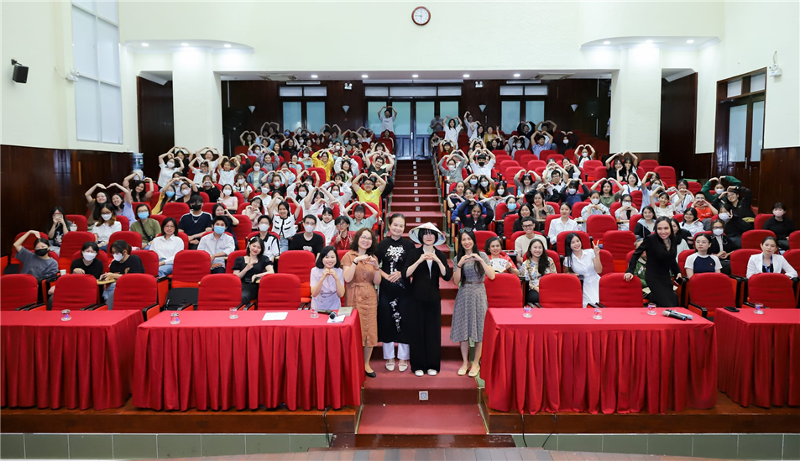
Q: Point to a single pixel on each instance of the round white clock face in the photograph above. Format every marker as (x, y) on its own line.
(421, 16)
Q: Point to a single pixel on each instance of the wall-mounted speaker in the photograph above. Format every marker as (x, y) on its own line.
(20, 73)
(592, 107)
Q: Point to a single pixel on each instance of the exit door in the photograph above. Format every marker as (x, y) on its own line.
(412, 126)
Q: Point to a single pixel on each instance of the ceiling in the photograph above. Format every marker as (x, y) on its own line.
(170, 46)
(407, 76)
(673, 43)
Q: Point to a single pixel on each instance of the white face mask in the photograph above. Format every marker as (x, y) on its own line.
(240, 181)
(720, 190)
(256, 168)
(276, 183)
(309, 228)
(718, 231)
(595, 201)
(484, 184)
(302, 193)
(89, 256)
(500, 191)
(263, 227)
(265, 189)
(584, 154)
(105, 216)
(572, 191)
(626, 203)
(519, 144)
(226, 192)
(185, 191)
(171, 164)
(724, 216)
(118, 257)
(566, 141)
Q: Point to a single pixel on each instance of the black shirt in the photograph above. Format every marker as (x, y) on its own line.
(782, 229)
(95, 268)
(392, 256)
(192, 224)
(258, 268)
(132, 265)
(299, 242)
(213, 193)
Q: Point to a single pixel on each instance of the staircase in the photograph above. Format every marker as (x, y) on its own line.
(391, 402)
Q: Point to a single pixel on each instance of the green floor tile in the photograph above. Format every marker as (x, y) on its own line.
(268, 443)
(580, 442)
(12, 446)
(302, 442)
(669, 444)
(223, 444)
(179, 446)
(791, 446)
(760, 446)
(715, 445)
(95, 446)
(533, 440)
(135, 446)
(624, 443)
(46, 446)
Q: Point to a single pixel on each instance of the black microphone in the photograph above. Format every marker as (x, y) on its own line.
(673, 314)
(687, 316)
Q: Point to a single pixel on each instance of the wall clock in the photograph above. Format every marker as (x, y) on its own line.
(421, 15)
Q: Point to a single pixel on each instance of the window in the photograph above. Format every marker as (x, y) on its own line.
(98, 93)
(315, 115)
(372, 115)
(303, 107)
(740, 120)
(512, 112)
(292, 115)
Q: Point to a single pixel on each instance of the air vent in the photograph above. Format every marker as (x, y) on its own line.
(553, 76)
(279, 77)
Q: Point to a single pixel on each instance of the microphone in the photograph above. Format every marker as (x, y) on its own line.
(673, 314)
(688, 316)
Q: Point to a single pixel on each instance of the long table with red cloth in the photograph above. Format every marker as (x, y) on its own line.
(759, 356)
(86, 362)
(628, 362)
(210, 362)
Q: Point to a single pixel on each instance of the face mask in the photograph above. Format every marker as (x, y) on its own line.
(718, 231)
(452, 168)
(778, 213)
(185, 191)
(305, 154)
(484, 184)
(170, 193)
(654, 187)
(595, 201)
(724, 216)
(276, 183)
(265, 189)
(473, 181)
(197, 206)
(207, 185)
(346, 142)
(240, 181)
(572, 191)
(256, 168)
(584, 154)
(626, 203)
(519, 144)
(309, 228)
(219, 229)
(302, 193)
(566, 141)
(42, 251)
(105, 216)
(143, 215)
(171, 164)
(720, 191)
(89, 256)
(263, 227)
(512, 206)
(226, 192)
(500, 191)
(117, 257)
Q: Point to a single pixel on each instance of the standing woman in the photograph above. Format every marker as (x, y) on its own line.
(361, 273)
(393, 298)
(471, 267)
(586, 265)
(425, 265)
(661, 248)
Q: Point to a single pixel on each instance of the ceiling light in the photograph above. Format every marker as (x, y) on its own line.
(227, 45)
(516, 75)
(184, 44)
(364, 76)
(607, 42)
(145, 44)
(466, 75)
(690, 41)
(313, 75)
(648, 41)
(414, 76)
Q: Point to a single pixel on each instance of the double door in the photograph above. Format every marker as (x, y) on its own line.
(412, 128)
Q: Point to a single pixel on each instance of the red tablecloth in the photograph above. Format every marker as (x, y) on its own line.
(82, 363)
(759, 356)
(564, 360)
(212, 362)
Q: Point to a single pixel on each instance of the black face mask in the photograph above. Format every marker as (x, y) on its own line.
(42, 251)
(197, 206)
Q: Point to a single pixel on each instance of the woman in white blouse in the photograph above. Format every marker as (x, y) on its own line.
(683, 198)
(624, 213)
(562, 224)
(769, 261)
(691, 223)
(106, 226)
(451, 128)
(166, 246)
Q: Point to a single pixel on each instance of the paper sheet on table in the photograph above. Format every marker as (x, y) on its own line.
(275, 316)
(338, 319)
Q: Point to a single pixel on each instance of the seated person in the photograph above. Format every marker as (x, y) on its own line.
(541, 210)
(780, 225)
(359, 211)
(326, 226)
(625, 212)
(145, 226)
(479, 216)
(308, 240)
(37, 263)
(251, 267)
(88, 262)
(367, 191)
(735, 225)
(701, 261)
(646, 224)
(683, 236)
(218, 244)
(327, 281)
(500, 261)
(228, 199)
(721, 245)
(270, 240)
(196, 222)
(594, 208)
(664, 207)
(536, 265)
(57, 228)
(690, 222)
(455, 165)
(563, 224)
(524, 241)
(769, 261)
(469, 195)
(704, 209)
(166, 246)
(124, 263)
(105, 226)
(575, 192)
(343, 239)
(456, 197)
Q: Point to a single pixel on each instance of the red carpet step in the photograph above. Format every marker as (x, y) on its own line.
(396, 388)
(411, 197)
(421, 419)
(409, 207)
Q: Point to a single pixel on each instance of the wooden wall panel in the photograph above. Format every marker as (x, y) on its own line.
(472, 98)
(356, 115)
(34, 180)
(678, 126)
(779, 172)
(561, 94)
(156, 122)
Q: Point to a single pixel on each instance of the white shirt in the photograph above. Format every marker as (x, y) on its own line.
(166, 249)
(198, 176)
(327, 229)
(588, 211)
(285, 228)
(682, 205)
(451, 134)
(557, 227)
(211, 245)
(227, 177)
(693, 228)
(755, 265)
(104, 231)
(387, 123)
(166, 174)
(668, 211)
(485, 170)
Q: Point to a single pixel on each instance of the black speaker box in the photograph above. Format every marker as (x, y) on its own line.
(592, 107)
(20, 74)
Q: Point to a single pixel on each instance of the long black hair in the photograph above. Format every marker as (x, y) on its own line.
(672, 237)
(58, 209)
(542, 264)
(255, 239)
(568, 248)
(461, 252)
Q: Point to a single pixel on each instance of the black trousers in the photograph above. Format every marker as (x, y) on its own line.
(249, 292)
(425, 335)
(532, 296)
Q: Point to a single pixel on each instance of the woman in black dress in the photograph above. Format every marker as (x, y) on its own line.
(425, 265)
(252, 267)
(393, 298)
(661, 247)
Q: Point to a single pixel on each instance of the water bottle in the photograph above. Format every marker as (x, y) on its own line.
(65, 317)
(527, 309)
(598, 314)
(651, 309)
(233, 314)
(174, 319)
(314, 314)
(759, 309)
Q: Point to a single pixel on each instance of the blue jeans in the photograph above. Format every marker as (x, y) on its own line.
(283, 244)
(108, 295)
(164, 270)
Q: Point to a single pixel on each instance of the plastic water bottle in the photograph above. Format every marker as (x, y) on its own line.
(174, 318)
(759, 309)
(233, 315)
(65, 317)
(598, 314)
(527, 310)
(651, 309)
(314, 314)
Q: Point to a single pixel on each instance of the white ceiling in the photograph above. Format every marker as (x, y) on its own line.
(170, 46)
(672, 42)
(422, 76)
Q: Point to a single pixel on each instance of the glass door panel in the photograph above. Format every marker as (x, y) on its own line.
(448, 109)
(737, 133)
(758, 132)
(372, 116)
(423, 117)
(402, 125)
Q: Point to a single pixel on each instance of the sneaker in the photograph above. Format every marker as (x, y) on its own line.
(419, 373)
(432, 372)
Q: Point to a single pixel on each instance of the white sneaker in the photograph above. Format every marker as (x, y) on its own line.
(419, 373)
(432, 372)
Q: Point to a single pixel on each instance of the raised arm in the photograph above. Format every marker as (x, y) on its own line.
(89, 192)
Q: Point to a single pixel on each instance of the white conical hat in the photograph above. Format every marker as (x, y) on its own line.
(414, 233)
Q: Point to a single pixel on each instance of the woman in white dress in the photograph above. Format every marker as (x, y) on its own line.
(584, 264)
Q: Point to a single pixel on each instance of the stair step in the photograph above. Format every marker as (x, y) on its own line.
(421, 419)
(396, 388)
(405, 207)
